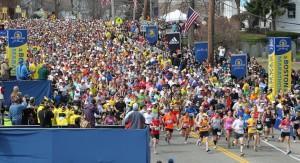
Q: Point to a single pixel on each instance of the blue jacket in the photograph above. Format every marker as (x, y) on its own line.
(22, 72)
(15, 113)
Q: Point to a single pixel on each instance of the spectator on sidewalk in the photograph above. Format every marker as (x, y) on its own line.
(5, 70)
(135, 119)
(16, 111)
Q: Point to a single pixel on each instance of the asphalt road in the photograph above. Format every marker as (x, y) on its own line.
(268, 152)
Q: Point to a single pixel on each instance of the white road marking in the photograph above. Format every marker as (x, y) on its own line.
(278, 149)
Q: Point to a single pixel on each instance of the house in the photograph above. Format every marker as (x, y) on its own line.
(290, 21)
(226, 8)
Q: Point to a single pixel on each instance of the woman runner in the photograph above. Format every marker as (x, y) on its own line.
(238, 127)
(228, 120)
(155, 127)
(216, 128)
(186, 123)
(285, 127)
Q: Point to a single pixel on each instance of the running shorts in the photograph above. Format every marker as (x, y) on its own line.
(203, 134)
(284, 134)
(215, 131)
(169, 129)
(156, 136)
(238, 136)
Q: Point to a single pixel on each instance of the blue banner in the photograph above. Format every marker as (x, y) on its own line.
(37, 89)
(201, 51)
(17, 37)
(239, 65)
(151, 34)
(3, 33)
(282, 45)
(74, 146)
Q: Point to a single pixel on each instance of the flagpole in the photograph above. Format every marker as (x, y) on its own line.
(191, 31)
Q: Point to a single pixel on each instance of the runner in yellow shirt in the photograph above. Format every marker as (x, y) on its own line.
(251, 123)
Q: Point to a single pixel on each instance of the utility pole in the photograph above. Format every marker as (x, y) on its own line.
(211, 22)
(134, 9)
(113, 9)
(57, 4)
(145, 9)
(151, 11)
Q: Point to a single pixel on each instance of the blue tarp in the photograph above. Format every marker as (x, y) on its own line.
(33, 88)
(74, 146)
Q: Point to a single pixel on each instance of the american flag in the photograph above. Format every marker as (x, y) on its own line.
(191, 17)
(105, 3)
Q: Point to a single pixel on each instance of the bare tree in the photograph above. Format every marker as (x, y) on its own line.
(226, 32)
(238, 6)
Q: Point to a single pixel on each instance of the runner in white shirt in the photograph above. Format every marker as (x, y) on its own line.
(238, 128)
(148, 116)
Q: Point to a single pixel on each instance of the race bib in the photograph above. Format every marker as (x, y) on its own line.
(169, 122)
(259, 126)
(186, 125)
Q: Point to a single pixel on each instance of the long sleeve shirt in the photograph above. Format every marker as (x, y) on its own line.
(15, 113)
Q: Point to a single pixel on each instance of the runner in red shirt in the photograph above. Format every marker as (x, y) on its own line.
(155, 127)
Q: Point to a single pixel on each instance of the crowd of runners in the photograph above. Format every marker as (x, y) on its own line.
(101, 71)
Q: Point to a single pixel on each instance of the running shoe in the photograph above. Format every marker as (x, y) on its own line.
(198, 143)
(242, 154)
(289, 152)
(255, 149)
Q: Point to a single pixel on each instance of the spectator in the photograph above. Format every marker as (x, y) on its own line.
(170, 161)
(22, 72)
(15, 95)
(45, 116)
(135, 120)
(89, 111)
(5, 70)
(43, 73)
(16, 110)
(29, 114)
(110, 119)
(1, 96)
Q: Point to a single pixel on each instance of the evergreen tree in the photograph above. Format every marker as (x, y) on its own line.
(266, 9)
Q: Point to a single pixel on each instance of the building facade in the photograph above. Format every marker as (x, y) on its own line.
(226, 8)
(290, 21)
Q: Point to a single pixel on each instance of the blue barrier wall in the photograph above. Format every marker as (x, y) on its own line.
(74, 146)
(33, 88)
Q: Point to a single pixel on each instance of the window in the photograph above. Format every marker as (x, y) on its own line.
(291, 10)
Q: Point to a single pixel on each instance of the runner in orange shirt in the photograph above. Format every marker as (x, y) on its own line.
(186, 123)
(169, 120)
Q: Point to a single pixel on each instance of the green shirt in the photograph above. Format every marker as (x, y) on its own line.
(43, 73)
